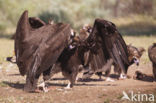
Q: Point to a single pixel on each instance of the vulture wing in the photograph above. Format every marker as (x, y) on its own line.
(105, 36)
(37, 45)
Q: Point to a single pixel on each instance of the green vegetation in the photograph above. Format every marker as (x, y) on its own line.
(79, 12)
(136, 25)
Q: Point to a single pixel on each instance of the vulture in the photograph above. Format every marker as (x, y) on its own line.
(152, 57)
(111, 45)
(103, 47)
(107, 47)
(42, 48)
(38, 46)
(104, 43)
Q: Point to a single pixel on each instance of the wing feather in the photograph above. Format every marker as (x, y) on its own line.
(112, 42)
(37, 49)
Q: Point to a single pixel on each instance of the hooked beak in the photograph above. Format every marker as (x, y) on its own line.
(136, 61)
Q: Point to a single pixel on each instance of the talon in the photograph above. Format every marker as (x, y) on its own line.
(43, 87)
(122, 77)
(68, 86)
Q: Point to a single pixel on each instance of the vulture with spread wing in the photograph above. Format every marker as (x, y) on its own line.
(107, 47)
(38, 46)
(103, 47)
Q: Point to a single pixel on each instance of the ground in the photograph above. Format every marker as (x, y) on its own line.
(93, 91)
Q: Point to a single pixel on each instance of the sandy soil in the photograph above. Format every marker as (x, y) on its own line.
(92, 91)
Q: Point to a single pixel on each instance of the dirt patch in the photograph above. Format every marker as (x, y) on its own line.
(93, 91)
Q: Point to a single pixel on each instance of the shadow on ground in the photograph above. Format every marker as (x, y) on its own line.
(16, 85)
(81, 84)
(147, 79)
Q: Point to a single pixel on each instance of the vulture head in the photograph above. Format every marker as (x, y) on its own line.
(134, 54)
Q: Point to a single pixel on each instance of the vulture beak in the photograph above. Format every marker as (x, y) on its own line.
(136, 61)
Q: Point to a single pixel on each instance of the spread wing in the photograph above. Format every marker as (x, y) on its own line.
(22, 32)
(105, 36)
(37, 49)
(97, 60)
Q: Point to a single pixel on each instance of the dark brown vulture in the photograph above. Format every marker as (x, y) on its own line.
(107, 46)
(38, 46)
(104, 44)
(110, 44)
(152, 57)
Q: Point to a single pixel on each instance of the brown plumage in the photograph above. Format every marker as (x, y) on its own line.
(69, 62)
(134, 55)
(152, 57)
(105, 36)
(37, 47)
(108, 44)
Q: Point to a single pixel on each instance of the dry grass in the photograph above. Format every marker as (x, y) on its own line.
(7, 45)
(6, 48)
(141, 41)
(11, 85)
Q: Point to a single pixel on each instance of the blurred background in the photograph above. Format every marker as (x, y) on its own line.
(132, 17)
(135, 19)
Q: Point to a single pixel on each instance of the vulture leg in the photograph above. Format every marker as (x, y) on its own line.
(72, 78)
(99, 75)
(68, 86)
(107, 73)
(72, 81)
(122, 76)
(46, 76)
(43, 86)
